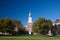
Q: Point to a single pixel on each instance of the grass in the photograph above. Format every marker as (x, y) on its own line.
(29, 37)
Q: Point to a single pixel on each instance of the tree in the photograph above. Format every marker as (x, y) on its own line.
(8, 26)
(42, 26)
(19, 25)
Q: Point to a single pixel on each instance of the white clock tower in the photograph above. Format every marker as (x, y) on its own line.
(30, 24)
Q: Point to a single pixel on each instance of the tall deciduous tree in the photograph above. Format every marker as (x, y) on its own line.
(7, 25)
(42, 26)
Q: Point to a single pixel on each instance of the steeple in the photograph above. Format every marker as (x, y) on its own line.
(30, 18)
(30, 23)
(29, 14)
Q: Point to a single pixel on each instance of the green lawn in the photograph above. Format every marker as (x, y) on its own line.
(29, 37)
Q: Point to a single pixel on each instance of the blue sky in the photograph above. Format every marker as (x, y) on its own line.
(19, 9)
